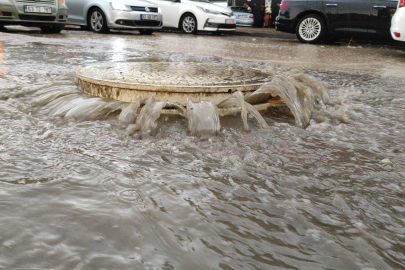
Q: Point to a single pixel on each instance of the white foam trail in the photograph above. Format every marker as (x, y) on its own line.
(130, 112)
(237, 100)
(203, 118)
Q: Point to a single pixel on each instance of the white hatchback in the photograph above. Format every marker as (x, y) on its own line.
(398, 22)
(191, 16)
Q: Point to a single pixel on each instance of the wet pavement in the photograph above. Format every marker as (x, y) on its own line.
(83, 193)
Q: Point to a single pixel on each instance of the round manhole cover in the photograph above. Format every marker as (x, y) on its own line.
(174, 80)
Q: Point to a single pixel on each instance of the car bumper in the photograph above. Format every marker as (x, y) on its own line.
(11, 14)
(132, 20)
(244, 22)
(398, 24)
(284, 25)
(218, 23)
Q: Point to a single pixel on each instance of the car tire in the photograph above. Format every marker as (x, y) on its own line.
(145, 31)
(54, 29)
(98, 21)
(311, 29)
(188, 24)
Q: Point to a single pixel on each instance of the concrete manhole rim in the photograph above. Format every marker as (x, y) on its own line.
(104, 80)
(248, 85)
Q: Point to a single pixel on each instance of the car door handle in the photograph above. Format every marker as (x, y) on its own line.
(380, 7)
(331, 5)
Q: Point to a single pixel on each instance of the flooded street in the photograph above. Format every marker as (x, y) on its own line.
(83, 193)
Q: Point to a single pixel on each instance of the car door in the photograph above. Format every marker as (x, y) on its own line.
(360, 15)
(337, 12)
(381, 14)
(170, 12)
(76, 11)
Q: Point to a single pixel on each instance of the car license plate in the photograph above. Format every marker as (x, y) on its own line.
(36, 9)
(230, 22)
(242, 16)
(149, 17)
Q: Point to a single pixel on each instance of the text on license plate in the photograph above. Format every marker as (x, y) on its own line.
(242, 16)
(149, 17)
(36, 9)
(230, 21)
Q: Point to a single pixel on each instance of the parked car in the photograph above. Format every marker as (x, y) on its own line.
(102, 15)
(398, 22)
(243, 16)
(49, 15)
(316, 21)
(191, 16)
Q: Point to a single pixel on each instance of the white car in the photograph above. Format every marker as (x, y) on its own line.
(191, 16)
(102, 15)
(398, 22)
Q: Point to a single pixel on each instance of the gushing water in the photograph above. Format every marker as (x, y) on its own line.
(150, 112)
(237, 100)
(130, 112)
(299, 92)
(203, 118)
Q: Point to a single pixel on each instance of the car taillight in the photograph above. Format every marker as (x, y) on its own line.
(251, 17)
(398, 35)
(284, 4)
(402, 3)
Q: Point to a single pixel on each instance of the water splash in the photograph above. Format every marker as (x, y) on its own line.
(203, 118)
(237, 100)
(130, 112)
(299, 91)
(150, 112)
(74, 105)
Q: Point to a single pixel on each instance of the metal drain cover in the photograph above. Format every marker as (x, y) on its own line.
(174, 80)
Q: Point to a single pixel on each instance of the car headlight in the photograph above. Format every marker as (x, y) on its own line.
(119, 6)
(206, 10)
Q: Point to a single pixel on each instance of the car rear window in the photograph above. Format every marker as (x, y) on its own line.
(239, 9)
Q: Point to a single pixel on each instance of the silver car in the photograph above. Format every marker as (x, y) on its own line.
(102, 15)
(49, 15)
(243, 16)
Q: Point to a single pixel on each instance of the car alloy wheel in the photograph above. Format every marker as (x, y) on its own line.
(311, 29)
(189, 24)
(98, 21)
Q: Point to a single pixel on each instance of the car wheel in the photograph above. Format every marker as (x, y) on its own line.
(188, 24)
(54, 29)
(98, 21)
(311, 29)
(145, 31)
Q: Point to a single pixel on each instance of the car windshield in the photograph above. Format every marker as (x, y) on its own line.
(239, 9)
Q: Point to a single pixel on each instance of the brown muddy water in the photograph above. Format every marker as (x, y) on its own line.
(82, 193)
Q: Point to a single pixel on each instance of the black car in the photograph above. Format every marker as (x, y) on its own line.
(327, 20)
